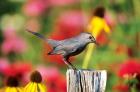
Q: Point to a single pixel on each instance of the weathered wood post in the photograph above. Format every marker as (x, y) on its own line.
(86, 80)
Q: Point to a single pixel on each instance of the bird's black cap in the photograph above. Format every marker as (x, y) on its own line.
(36, 77)
(12, 81)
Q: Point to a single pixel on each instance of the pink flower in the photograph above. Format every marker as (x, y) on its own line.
(110, 20)
(129, 68)
(12, 42)
(9, 33)
(16, 45)
(71, 23)
(47, 72)
(3, 64)
(34, 7)
(55, 80)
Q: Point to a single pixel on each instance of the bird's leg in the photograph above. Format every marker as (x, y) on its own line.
(69, 64)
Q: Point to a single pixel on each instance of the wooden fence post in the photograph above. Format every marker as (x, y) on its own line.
(86, 80)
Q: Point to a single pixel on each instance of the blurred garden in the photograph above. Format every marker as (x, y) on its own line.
(118, 51)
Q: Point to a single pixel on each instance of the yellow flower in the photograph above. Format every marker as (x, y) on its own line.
(13, 89)
(95, 27)
(12, 85)
(35, 84)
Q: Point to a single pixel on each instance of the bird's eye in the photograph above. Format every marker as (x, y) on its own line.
(90, 37)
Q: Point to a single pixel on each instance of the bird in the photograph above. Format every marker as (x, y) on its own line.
(68, 47)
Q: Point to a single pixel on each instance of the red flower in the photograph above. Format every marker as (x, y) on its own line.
(102, 38)
(17, 69)
(129, 67)
(22, 67)
(20, 70)
(121, 88)
(69, 24)
(55, 81)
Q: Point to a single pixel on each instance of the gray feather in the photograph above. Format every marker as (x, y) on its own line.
(52, 42)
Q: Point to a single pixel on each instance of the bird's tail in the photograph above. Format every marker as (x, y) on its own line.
(36, 34)
(52, 42)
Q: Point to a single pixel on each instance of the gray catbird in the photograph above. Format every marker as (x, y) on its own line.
(68, 47)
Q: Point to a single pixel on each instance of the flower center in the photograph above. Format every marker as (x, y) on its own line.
(12, 82)
(36, 77)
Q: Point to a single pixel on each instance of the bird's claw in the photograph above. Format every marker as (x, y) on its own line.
(73, 68)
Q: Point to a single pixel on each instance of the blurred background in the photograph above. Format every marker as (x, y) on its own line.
(21, 53)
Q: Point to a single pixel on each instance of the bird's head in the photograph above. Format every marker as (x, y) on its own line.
(88, 37)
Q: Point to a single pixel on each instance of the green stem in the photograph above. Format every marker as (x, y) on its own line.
(133, 89)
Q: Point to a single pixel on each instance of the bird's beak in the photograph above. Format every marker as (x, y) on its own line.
(94, 41)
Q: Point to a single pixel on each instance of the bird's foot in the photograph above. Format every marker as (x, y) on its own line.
(73, 68)
(70, 66)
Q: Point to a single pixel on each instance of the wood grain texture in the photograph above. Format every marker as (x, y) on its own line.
(86, 80)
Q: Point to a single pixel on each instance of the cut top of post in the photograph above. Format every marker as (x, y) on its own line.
(86, 80)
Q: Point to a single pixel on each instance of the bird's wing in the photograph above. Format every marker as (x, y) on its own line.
(69, 41)
(61, 50)
(69, 46)
(53, 43)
